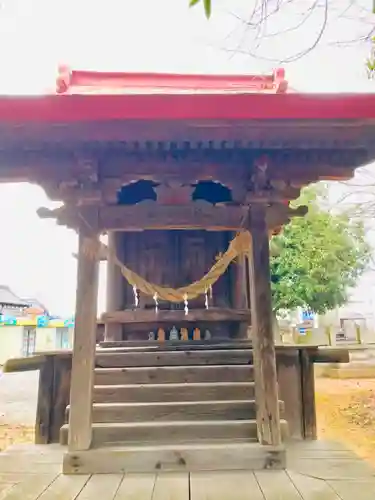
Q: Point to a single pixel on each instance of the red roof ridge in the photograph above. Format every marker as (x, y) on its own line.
(79, 81)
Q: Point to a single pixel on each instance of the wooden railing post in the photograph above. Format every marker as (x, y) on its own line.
(83, 361)
(266, 388)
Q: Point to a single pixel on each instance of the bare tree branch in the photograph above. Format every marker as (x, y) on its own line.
(253, 31)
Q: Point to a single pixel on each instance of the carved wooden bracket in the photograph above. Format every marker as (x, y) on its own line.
(173, 193)
(263, 188)
(84, 218)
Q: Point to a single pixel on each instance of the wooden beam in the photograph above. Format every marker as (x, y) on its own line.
(150, 215)
(83, 362)
(115, 286)
(329, 355)
(141, 316)
(266, 390)
(31, 363)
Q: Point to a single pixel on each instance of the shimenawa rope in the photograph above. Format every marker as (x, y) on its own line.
(240, 245)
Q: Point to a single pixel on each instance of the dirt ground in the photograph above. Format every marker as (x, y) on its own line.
(13, 433)
(346, 412)
(18, 396)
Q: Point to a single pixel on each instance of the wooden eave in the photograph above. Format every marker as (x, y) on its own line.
(139, 134)
(47, 136)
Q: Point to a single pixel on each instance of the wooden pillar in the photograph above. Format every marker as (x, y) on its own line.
(115, 290)
(83, 361)
(266, 389)
(241, 291)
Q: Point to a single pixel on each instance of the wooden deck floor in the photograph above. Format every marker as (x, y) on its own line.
(316, 471)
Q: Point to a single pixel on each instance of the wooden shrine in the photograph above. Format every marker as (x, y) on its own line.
(172, 168)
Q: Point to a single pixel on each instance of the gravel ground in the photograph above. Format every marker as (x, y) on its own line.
(18, 397)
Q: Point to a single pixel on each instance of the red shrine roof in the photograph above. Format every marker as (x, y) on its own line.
(91, 82)
(86, 96)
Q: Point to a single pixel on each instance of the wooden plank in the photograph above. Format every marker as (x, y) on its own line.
(24, 364)
(173, 374)
(174, 358)
(34, 449)
(102, 486)
(15, 463)
(18, 477)
(11, 458)
(5, 488)
(175, 457)
(189, 345)
(83, 362)
(277, 485)
(145, 316)
(45, 402)
(311, 488)
(289, 380)
(115, 285)
(224, 485)
(172, 411)
(354, 490)
(171, 486)
(268, 415)
(136, 487)
(60, 396)
(179, 345)
(31, 487)
(65, 488)
(171, 432)
(174, 392)
(309, 424)
(329, 355)
(295, 455)
(53, 397)
(319, 446)
(328, 468)
(317, 354)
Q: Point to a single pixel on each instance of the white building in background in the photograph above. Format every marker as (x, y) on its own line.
(359, 310)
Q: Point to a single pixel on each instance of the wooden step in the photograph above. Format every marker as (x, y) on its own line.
(174, 374)
(170, 432)
(150, 393)
(184, 410)
(173, 358)
(169, 458)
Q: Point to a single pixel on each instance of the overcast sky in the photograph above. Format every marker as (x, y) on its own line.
(144, 35)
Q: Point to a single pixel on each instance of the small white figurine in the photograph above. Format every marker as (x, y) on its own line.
(207, 335)
(151, 336)
(173, 334)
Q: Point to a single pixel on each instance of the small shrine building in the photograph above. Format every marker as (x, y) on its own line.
(188, 175)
